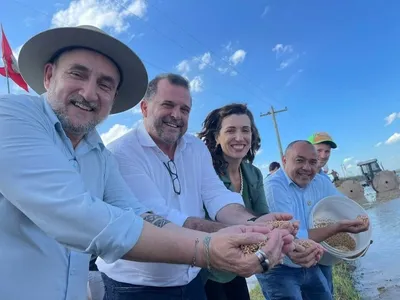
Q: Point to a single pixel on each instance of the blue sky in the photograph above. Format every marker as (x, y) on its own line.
(334, 64)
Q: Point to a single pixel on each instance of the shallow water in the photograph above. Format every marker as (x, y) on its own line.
(378, 272)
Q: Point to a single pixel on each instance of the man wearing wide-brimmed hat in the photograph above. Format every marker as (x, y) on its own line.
(62, 198)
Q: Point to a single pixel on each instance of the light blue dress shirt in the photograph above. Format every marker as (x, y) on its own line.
(283, 195)
(58, 205)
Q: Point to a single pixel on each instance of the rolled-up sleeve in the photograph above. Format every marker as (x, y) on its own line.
(37, 178)
(278, 200)
(213, 191)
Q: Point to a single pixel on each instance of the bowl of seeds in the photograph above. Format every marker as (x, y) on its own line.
(343, 245)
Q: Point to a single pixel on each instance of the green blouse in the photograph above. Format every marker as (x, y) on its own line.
(253, 189)
(254, 200)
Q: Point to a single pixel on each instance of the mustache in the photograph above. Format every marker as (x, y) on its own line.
(174, 121)
(80, 99)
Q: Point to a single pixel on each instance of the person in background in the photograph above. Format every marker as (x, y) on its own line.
(62, 197)
(273, 167)
(232, 138)
(295, 189)
(323, 144)
(171, 173)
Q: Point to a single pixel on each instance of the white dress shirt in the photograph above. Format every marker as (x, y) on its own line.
(142, 166)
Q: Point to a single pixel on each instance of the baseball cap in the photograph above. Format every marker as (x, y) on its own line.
(322, 137)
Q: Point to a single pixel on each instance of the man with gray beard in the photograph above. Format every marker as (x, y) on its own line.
(177, 180)
(62, 198)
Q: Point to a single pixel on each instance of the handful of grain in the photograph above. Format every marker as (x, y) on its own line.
(363, 218)
(321, 223)
(304, 243)
(279, 224)
(251, 249)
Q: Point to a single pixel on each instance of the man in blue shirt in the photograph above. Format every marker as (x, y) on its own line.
(295, 189)
(62, 198)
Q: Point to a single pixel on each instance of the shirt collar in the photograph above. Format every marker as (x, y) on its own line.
(92, 138)
(147, 141)
(286, 176)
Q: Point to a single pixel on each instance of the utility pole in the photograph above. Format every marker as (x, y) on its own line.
(273, 112)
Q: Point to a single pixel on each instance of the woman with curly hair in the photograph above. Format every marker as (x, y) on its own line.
(233, 140)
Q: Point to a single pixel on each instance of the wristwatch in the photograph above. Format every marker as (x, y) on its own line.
(253, 219)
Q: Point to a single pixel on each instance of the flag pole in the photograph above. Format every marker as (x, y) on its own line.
(8, 81)
(5, 65)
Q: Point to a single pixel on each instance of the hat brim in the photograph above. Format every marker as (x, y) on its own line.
(331, 143)
(37, 51)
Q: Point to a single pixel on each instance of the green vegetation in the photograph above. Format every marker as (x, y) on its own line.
(344, 283)
(342, 280)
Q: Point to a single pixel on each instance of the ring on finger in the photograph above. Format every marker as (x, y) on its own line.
(260, 256)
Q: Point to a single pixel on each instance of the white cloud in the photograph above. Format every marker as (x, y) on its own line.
(100, 13)
(259, 151)
(237, 57)
(393, 139)
(16, 51)
(223, 70)
(349, 166)
(348, 159)
(281, 49)
(136, 109)
(233, 73)
(286, 55)
(196, 84)
(378, 144)
(183, 67)
(390, 118)
(204, 60)
(265, 11)
(288, 62)
(115, 132)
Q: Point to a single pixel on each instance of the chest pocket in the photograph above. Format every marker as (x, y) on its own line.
(90, 166)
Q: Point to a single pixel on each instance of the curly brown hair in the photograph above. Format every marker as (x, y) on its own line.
(212, 126)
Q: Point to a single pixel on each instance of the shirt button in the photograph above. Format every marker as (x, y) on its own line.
(309, 203)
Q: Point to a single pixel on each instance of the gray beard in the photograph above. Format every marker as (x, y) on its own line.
(73, 129)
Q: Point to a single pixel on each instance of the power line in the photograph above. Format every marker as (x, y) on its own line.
(184, 49)
(232, 67)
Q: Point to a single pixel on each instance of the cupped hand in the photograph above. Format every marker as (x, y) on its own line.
(275, 244)
(307, 253)
(353, 226)
(274, 217)
(225, 253)
(246, 228)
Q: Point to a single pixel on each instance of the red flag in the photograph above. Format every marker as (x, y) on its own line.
(10, 63)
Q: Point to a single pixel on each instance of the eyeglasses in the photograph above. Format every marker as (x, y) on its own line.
(171, 167)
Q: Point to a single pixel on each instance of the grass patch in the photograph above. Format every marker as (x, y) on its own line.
(342, 280)
(344, 283)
